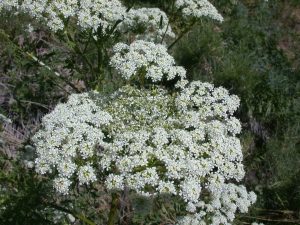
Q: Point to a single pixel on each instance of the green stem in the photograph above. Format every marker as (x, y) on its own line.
(162, 39)
(113, 209)
(182, 34)
(73, 44)
(88, 42)
(168, 25)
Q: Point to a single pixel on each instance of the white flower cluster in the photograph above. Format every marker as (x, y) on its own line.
(8, 4)
(197, 9)
(142, 58)
(152, 141)
(210, 102)
(100, 13)
(67, 142)
(161, 143)
(150, 24)
(148, 140)
(93, 14)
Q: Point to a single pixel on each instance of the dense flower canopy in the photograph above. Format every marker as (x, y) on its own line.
(152, 142)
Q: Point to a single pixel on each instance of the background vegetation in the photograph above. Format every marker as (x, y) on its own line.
(254, 53)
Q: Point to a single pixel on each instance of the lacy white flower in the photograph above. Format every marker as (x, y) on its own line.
(147, 59)
(69, 136)
(89, 14)
(210, 103)
(149, 24)
(100, 13)
(182, 144)
(62, 185)
(86, 174)
(9, 4)
(197, 9)
(151, 141)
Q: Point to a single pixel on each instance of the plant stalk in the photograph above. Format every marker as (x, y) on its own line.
(182, 35)
(112, 217)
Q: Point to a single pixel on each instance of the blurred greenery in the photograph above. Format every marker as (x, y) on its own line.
(254, 53)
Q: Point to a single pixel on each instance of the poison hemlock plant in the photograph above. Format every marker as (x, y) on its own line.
(153, 142)
(144, 137)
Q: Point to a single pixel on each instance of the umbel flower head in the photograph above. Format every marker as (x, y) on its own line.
(88, 14)
(152, 142)
(195, 9)
(150, 24)
(145, 59)
(66, 144)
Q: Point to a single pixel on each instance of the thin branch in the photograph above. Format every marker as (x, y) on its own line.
(36, 103)
(182, 35)
(165, 32)
(172, 6)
